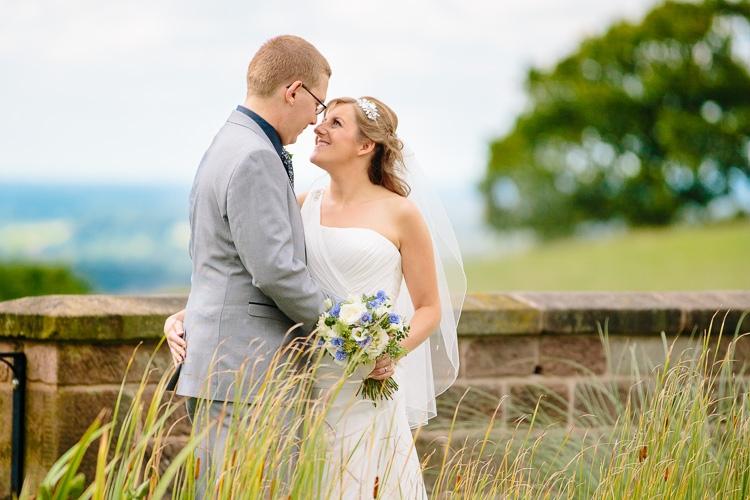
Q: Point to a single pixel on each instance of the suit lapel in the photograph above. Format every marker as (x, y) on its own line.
(243, 120)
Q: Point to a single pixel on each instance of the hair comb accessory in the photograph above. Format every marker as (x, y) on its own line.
(369, 108)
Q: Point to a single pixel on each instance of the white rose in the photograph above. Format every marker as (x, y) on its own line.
(383, 339)
(350, 313)
(379, 342)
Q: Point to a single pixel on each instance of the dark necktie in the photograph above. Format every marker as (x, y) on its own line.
(286, 159)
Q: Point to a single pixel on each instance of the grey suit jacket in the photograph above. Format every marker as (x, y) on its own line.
(250, 282)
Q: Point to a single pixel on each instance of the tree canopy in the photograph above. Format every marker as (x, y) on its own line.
(646, 124)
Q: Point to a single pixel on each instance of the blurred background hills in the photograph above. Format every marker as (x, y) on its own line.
(133, 239)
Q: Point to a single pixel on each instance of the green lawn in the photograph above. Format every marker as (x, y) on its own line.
(679, 258)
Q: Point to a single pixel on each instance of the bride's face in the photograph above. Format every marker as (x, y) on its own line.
(337, 137)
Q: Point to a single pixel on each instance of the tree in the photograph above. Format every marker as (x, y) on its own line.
(23, 280)
(646, 124)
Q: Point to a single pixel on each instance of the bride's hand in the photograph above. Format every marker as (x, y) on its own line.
(174, 331)
(383, 369)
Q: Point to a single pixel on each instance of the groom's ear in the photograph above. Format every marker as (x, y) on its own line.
(290, 94)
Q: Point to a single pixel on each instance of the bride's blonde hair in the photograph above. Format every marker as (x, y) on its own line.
(384, 169)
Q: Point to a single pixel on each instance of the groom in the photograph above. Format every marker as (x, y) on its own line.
(250, 283)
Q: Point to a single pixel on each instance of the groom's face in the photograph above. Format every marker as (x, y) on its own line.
(303, 112)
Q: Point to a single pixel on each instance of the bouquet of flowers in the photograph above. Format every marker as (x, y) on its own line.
(359, 330)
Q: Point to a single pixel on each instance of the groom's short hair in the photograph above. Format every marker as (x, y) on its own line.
(283, 60)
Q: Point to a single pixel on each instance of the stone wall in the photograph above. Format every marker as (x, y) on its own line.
(515, 346)
(77, 349)
(523, 346)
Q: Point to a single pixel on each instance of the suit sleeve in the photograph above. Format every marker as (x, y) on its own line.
(258, 216)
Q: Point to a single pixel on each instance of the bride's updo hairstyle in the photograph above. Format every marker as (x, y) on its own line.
(379, 125)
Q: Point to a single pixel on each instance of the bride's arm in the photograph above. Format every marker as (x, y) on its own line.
(418, 265)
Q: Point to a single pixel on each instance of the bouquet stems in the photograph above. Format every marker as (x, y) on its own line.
(375, 390)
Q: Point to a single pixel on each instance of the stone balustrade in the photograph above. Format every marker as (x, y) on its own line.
(516, 346)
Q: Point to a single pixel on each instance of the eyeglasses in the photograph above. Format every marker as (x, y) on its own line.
(321, 107)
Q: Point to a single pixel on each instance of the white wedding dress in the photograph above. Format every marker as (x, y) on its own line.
(371, 448)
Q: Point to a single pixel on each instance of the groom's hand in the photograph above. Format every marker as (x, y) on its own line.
(175, 331)
(383, 368)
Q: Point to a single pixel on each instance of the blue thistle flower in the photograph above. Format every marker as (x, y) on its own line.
(336, 310)
(340, 355)
(337, 341)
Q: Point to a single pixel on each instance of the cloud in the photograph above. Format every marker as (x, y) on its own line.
(83, 32)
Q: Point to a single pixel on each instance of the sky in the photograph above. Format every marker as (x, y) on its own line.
(133, 92)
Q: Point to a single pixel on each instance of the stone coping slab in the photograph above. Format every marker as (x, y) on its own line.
(132, 318)
(636, 313)
(87, 317)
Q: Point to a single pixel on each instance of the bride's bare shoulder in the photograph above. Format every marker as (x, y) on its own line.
(403, 211)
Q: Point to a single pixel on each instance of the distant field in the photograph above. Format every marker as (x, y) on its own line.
(681, 258)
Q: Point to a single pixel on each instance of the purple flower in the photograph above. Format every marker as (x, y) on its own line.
(340, 355)
(336, 310)
(337, 341)
(364, 343)
(393, 318)
(378, 301)
(366, 318)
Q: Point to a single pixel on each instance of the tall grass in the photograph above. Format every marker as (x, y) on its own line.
(681, 430)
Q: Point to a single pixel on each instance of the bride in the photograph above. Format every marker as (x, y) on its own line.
(375, 227)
